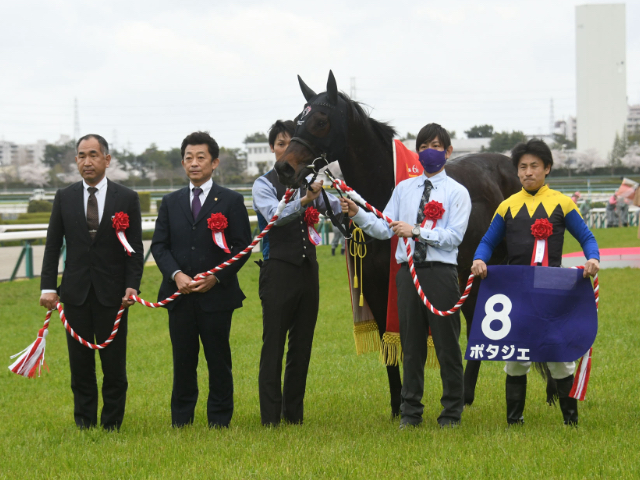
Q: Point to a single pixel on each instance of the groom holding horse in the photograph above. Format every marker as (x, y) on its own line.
(434, 244)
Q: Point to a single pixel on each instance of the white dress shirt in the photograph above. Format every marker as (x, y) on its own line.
(101, 195)
(444, 239)
(206, 188)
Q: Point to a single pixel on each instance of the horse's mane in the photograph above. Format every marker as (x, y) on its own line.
(360, 117)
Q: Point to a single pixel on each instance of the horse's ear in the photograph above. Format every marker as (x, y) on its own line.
(306, 91)
(332, 89)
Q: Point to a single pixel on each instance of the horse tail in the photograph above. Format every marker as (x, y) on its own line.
(552, 386)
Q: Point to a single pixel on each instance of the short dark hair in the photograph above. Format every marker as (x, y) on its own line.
(534, 147)
(104, 146)
(431, 131)
(201, 138)
(281, 126)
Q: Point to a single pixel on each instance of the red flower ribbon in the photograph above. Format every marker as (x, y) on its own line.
(433, 211)
(541, 231)
(120, 222)
(311, 217)
(217, 223)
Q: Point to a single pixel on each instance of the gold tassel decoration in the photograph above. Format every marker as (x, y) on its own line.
(391, 351)
(432, 358)
(367, 337)
(357, 250)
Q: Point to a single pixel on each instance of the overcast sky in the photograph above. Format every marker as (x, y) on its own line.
(153, 71)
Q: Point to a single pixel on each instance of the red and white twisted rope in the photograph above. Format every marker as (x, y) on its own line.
(33, 356)
(581, 381)
(353, 195)
(227, 263)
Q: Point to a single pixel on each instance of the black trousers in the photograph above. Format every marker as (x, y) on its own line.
(440, 284)
(290, 298)
(94, 322)
(188, 325)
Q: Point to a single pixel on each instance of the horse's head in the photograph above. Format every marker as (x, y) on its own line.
(320, 136)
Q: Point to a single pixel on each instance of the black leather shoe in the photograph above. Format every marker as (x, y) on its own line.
(408, 426)
(450, 424)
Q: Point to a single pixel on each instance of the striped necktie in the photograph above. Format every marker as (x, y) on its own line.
(93, 219)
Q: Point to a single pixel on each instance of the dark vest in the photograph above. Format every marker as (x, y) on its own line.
(289, 242)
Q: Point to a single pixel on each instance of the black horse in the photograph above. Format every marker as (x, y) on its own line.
(332, 127)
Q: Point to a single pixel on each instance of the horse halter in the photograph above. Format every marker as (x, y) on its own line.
(319, 156)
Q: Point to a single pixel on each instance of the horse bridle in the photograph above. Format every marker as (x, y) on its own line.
(316, 153)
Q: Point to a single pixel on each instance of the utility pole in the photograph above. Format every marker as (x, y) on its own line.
(352, 90)
(552, 122)
(76, 120)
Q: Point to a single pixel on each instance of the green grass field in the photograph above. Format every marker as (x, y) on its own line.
(347, 431)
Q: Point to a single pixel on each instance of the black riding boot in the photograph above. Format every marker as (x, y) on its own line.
(516, 389)
(568, 405)
(333, 251)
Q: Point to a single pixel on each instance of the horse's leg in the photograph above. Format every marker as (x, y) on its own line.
(376, 288)
(379, 309)
(472, 369)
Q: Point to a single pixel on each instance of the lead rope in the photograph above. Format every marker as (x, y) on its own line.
(31, 360)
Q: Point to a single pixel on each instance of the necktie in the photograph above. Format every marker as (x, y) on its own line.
(93, 219)
(420, 253)
(195, 204)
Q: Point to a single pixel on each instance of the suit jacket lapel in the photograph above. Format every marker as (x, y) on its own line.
(185, 203)
(209, 202)
(109, 207)
(78, 204)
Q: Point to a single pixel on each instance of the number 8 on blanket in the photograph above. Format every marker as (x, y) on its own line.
(537, 314)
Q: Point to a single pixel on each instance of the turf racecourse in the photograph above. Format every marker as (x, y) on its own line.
(347, 431)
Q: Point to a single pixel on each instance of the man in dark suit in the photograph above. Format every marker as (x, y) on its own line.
(183, 246)
(99, 276)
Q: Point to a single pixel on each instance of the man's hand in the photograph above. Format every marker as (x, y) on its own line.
(126, 301)
(184, 283)
(204, 284)
(348, 206)
(313, 192)
(49, 300)
(401, 229)
(479, 268)
(591, 268)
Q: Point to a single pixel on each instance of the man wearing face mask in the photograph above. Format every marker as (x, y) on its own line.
(434, 244)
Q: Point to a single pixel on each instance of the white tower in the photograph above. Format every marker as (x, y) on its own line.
(601, 75)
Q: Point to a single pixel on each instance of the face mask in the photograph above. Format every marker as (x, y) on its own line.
(432, 160)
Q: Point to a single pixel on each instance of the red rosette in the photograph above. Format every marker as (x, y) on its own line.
(217, 222)
(433, 210)
(311, 216)
(120, 221)
(541, 229)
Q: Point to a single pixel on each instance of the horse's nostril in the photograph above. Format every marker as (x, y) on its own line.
(285, 170)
